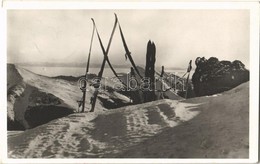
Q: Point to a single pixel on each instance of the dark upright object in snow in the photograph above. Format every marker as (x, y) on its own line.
(187, 81)
(161, 95)
(162, 72)
(213, 76)
(135, 95)
(149, 72)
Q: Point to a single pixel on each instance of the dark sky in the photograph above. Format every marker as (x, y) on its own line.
(179, 35)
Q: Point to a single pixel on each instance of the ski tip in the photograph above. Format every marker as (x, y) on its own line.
(93, 21)
(116, 16)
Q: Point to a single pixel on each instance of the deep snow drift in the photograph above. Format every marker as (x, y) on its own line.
(214, 126)
(33, 99)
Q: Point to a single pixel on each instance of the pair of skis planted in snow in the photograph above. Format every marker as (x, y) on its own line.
(105, 59)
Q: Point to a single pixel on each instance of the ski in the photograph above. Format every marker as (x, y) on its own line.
(87, 70)
(128, 53)
(100, 74)
(103, 50)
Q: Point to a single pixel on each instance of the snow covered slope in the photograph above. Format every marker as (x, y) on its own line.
(34, 99)
(221, 130)
(215, 126)
(31, 92)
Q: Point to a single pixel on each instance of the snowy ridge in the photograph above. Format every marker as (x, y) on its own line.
(70, 94)
(27, 90)
(203, 127)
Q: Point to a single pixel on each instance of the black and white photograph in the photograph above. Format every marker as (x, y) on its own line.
(135, 83)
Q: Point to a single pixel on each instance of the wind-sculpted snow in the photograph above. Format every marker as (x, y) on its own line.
(104, 134)
(214, 126)
(70, 92)
(220, 130)
(27, 91)
(34, 99)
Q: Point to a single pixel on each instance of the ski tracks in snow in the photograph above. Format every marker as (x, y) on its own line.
(63, 137)
(106, 134)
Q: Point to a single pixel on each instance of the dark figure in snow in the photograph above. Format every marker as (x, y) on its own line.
(190, 67)
(91, 100)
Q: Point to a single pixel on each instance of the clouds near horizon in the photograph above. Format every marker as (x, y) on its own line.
(179, 35)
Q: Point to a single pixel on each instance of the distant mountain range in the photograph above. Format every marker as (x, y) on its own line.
(83, 65)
